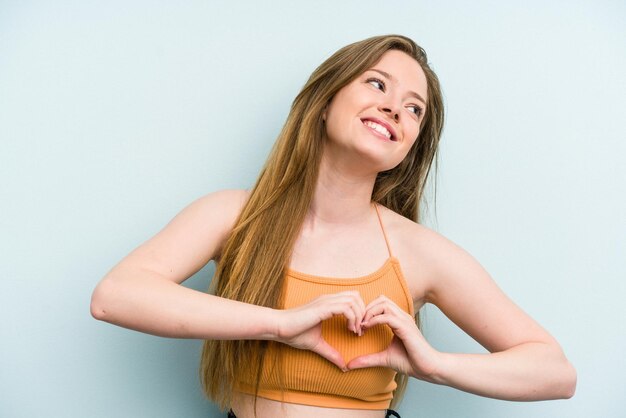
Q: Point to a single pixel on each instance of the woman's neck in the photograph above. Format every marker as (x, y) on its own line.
(341, 196)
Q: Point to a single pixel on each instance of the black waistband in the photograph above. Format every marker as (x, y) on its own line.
(390, 413)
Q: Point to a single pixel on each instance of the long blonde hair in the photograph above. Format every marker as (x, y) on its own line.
(252, 264)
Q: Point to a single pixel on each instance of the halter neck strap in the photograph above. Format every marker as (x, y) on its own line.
(382, 227)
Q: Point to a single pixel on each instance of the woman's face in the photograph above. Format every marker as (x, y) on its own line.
(378, 115)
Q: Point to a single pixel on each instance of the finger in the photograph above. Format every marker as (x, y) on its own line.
(404, 328)
(383, 305)
(351, 316)
(380, 308)
(354, 322)
(380, 299)
(368, 360)
(351, 313)
(351, 306)
(372, 311)
(356, 303)
(330, 353)
(386, 319)
(340, 306)
(358, 306)
(377, 306)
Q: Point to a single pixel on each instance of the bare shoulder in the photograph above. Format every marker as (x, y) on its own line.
(226, 205)
(440, 272)
(423, 254)
(229, 197)
(191, 239)
(213, 214)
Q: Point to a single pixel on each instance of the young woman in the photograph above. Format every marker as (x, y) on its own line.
(322, 266)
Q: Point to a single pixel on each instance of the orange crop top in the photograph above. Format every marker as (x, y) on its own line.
(312, 380)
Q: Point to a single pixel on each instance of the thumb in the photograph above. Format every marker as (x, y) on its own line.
(368, 360)
(330, 353)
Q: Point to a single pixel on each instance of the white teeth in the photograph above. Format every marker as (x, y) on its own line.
(378, 128)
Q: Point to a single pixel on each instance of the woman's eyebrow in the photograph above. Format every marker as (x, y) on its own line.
(392, 78)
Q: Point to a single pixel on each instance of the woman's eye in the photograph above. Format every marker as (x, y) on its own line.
(415, 109)
(377, 83)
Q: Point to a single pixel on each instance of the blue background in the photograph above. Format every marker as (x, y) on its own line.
(114, 115)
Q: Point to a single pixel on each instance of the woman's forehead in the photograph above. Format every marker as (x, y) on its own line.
(402, 69)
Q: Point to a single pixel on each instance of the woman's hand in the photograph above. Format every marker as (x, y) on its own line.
(301, 327)
(408, 353)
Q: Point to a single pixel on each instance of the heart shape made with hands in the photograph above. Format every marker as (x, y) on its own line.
(351, 335)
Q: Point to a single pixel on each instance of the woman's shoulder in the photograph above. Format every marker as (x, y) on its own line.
(228, 200)
(422, 252)
(221, 206)
(214, 214)
(409, 233)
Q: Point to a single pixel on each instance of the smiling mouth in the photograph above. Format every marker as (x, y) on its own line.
(379, 129)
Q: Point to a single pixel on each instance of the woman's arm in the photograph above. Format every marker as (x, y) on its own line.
(143, 291)
(524, 363)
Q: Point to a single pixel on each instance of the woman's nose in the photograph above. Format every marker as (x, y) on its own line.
(391, 112)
